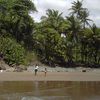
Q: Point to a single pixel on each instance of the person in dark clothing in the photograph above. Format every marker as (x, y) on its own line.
(1, 55)
(45, 71)
(36, 69)
(1, 59)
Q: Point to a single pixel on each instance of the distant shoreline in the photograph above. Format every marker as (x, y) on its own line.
(51, 76)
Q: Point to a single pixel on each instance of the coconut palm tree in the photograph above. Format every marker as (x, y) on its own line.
(74, 29)
(75, 26)
(94, 28)
(76, 8)
(54, 19)
(84, 14)
(81, 13)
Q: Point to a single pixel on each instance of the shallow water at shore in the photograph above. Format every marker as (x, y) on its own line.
(49, 90)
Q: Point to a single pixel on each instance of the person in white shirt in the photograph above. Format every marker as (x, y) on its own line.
(36, 69)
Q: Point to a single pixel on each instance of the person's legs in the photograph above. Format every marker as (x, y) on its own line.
(35, 72)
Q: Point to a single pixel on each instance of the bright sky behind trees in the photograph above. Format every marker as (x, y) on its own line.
(63, 6)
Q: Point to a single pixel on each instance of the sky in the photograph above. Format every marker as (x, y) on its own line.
(63, 5)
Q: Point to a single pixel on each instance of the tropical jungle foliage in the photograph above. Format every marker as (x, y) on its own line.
(69, 41)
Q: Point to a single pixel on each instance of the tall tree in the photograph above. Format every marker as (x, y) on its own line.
(76, 8)
(16, 20)
(48, 37)
(75, 26)
(84, 16)
(80, 12)
(55, 20)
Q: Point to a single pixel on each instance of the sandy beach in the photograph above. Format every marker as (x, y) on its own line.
(51, 76)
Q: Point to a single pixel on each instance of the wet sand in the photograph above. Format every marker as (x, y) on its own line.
(51, 76)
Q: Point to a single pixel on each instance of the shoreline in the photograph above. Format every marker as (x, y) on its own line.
(51, 76)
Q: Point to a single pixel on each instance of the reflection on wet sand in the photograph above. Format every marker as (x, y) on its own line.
(49, 90)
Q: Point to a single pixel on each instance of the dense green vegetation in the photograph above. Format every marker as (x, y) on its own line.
(69, 41)
(16, 29)
(14, 53)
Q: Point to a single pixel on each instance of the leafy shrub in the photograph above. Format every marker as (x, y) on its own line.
(13, 52)
(30, 58)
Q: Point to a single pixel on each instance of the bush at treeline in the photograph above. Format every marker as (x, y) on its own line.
(13, 53)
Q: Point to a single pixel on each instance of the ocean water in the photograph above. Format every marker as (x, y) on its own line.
(49, 90)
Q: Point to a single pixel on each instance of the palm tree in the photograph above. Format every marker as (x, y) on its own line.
(52, 25)
(75, 26)
(84, 18)
(95, 43)
(94, 29)
(54, 19)
(74, 29)
(81, 13)
(76, 8)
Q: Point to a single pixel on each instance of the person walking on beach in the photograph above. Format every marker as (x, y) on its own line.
(45, 71)
(1, 61)
(36, 69)
(1, 56)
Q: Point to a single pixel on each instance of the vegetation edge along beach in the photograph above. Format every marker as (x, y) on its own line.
(68, 42)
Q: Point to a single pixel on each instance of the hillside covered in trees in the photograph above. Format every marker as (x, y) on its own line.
(70, 41)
